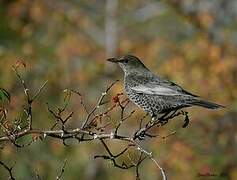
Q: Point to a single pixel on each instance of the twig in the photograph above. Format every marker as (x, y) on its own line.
(140, 160)
(39, 90)
(113, 157)
(99, 103)
(9, 169)
(149, 154)
(62, 170)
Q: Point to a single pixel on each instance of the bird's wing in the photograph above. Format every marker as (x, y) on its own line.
(165, 88)
(155, 90)
(156, 85)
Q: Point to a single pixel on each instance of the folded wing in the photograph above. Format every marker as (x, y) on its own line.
(162, 89)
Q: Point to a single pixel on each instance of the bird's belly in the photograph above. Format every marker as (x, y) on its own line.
(155, 104)
(146, 102)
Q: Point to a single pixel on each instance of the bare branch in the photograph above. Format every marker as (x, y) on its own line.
(99, 103)
(95, 126)
(62, 170)
(113, 157)
(39, 90)
(9, 169)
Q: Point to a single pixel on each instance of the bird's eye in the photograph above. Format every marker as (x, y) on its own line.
(126, 61)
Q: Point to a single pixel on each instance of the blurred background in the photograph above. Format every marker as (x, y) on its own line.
(191, 42)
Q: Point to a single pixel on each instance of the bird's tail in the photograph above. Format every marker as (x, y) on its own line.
(206, 104)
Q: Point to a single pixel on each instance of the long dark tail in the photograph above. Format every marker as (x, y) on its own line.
(206, 104)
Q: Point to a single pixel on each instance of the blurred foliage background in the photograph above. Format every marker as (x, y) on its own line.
(191, 42)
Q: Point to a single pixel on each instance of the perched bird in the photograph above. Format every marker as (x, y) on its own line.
(154, 94)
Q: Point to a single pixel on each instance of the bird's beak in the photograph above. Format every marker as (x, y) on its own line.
(115, 60)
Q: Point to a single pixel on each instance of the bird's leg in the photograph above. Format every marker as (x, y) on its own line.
(153, 117)
(153, 120)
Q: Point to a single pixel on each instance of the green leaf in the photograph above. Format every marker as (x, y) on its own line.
(4, 95)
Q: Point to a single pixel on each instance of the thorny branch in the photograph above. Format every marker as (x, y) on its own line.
(97, 125)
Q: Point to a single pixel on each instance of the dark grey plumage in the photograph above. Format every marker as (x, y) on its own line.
(153, 93)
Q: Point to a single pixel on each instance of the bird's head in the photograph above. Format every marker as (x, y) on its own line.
(129, 63)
